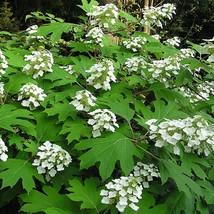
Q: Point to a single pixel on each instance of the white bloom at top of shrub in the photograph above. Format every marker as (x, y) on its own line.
(30, 34)
(31, 95)
(135, 43)
(95, 36)
(164, 69)
(3, 149)
(2, 94)
(195, 135)
(156, 36)
(175, 41)
(3, 63)
(136, 65)
(102, 119)
(51, 158)
(187, 53)
(83, 100)
(157, 15)
(124, 192)
(101, 74)
(145, 173)
(39, 63)
(103, 16)
(202, 91)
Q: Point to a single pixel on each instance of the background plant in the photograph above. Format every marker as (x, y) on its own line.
(120, 116)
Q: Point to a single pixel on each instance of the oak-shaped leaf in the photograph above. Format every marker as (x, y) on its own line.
(88, 193)
(37, 201)
(114, 147)
(75, 129)
(15, 169)
(10, 116)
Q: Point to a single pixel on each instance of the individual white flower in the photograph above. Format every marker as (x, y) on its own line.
(3, 63)
(51, 159)
(3, 150)
(193, 134)
(95, 36)
(39, 63)
(136, 65)
(103, 119)
(83, 100)
(103, 16)
(145, 173)
(135, 43)
(157, 15)
(175, 41)
(68, 68)
(31, 95)
(124, 192)
(101, 74)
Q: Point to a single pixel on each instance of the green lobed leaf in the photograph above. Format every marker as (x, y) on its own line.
(114, 147)
(63, 110)
(88, 193)
(181, 176)
(37, 201)
(178, 201)
(16, 169)
(56, 29)
(11, 116)
(76, 129)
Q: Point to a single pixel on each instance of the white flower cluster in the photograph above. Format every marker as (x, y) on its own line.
(95, 36)
(203, 91)
(51, 159)
(165, 69)
(1, 90)
(175, 41)
(83, 100)
(102, 119)
(187, 53)
(135, 65)
(124, 191)
(40, 62)
(3, 149)
(3, 63)
(135, 43)
(145, 173)
(68, 68)
(31, 31)
(156, 15)
(101, 74)
(156, 36)
(193, 134)
(31, 95)
(104, 16)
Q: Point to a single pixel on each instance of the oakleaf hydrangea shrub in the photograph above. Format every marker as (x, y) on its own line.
(51, 159)
(115, 119)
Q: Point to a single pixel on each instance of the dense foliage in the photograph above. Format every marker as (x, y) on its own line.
(113, 120)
